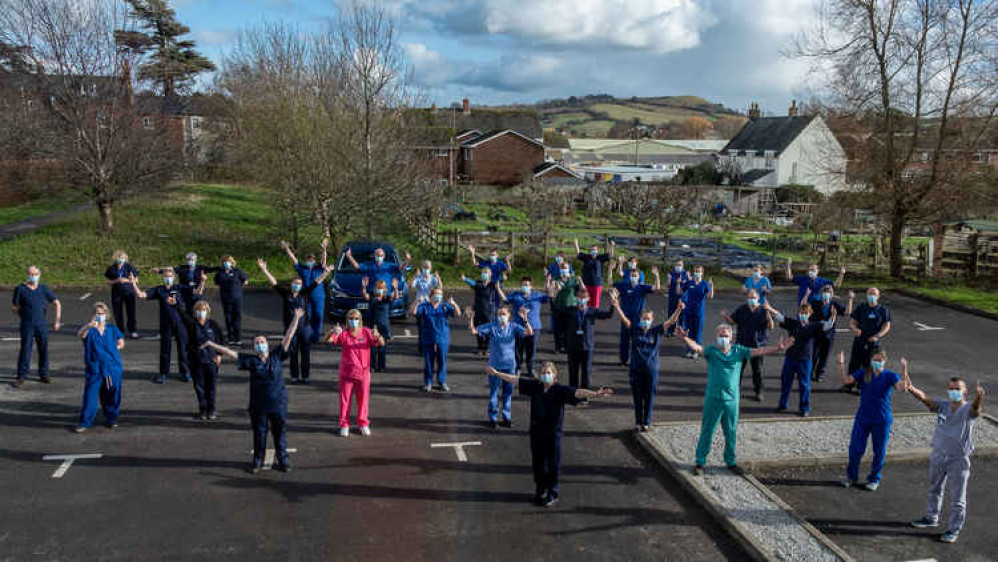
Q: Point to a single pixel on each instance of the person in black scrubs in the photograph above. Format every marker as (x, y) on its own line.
(294, 297)
(202, 360)
(753, 322)
(870, 323)
(797, 361)
(379, 302)
(29, 303)
(580, 338)
(825, 341)
(188, 276)
(118, 276)
(171, 326)
(231, 280)
(485, 304)
(547, 418)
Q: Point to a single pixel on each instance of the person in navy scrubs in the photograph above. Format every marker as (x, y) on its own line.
(309, 270)
(484, 306)
(498, 267)
(678, 277)
(826, 341)
(580, 338)
(30, 303)
(122, 293)
(202, 360)
(803, 331)
(231, 280)
(592, 268)
(170, 297)
(870, 324)
(547, 421)
(642, 370)
(379, 310)
(102, 370)
(188, 276)
(433, 314)
(632, 292)
(268, 406)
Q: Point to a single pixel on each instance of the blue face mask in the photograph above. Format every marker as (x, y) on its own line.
(168, 280)
(678, 268)
(525, 289)
(955, 395)
(310, 263)
(438, 298)
(644, 324)
(698, 276)
(191, 263)
(826, 297)
(546, 378)
(565, 273)
(757, 274)
(802, 318)
(426, 271)
(493, 259)
(200, 314)
(558, 259)
(101, 318)
(260, 348)
(583, 303)
(723, 341)
(594, 253)
(485, 276)
(379, 292)
(121, 261)
(877, 365)
(353, 323)
(33, 279)
(812, 274)
(227, 265)
(752, 302)
(635, 279)
(872, 299)
(295, 287)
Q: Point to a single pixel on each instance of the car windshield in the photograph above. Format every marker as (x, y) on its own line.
(365, 256)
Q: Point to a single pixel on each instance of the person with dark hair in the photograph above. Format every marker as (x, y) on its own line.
(580, 338)
(379, 316)
(696, 292)
(498, 268)
(592, 268)
(432, 314)
(231, 280)
(753, 322)
(309, 271)
(797, 362)
(809, 286)
(486, 294)
(171, 326)
(678, 277)
(631, 294)
(825, 341)
(530, 300)
(562, 292)
(870, 323)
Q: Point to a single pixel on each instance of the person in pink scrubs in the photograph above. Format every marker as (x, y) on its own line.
(355, 368)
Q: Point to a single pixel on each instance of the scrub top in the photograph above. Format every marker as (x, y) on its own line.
(724, 371)
(565, 297)
(554, 270)
(198, 334)
(803, 334)
(676, 282)
(267, 392)
(291, 302)
(954, 436)
(485, 295)
(632, 298)
(871, 319)
(547, 408)
(592, 268)
(424, 284)
(497, 268)
(645, 345)
(761, 285)
(230, 283)
(580, 327)
(32, 303)
(532, 303)
(433, 322)
(502, 344)
(823, 312)
(695, 295)
(753, 326)
(379, 309)
(161, 293)
(100, 352)
(124, 271)
(355, 361)
(804, 283)
(875, 398)
(308, 276)
(626, 275)
(384, 272)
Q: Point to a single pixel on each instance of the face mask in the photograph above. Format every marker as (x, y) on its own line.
(877, 365)
(635, 279)
(546, 378)
(191, 263)
(227, 265)
(260, 348)
(379, 259)
(872, 299)
(168, 280)
(121, 261)
(698, 276)
(752, 302)
(34, 279)
(379, 292)
(295, 287)
(438, 298)
(493, 259)
(310, 263)
(812, 274)
(201, 314)
(802, 318)
(956, 395)
(558, 259)
(633, 265)
(723, 341)
(645, 324)
(426, 271)
(525, 289)
(826, 297)
(101, 318)
(353, 323)
(485, 276)
(594, 253)
(583, 302)
(503, 319)
(757, 274)
(565, 273)
(678, 268)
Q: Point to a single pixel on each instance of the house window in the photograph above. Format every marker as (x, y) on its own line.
(770, 159)
(93, 90)
(469, 154)
(195, 123)
(793, 173)
(978, 157)
(442, 154)
(925, 156)
(147, 123)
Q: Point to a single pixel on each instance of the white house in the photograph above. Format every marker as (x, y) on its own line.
(775, 151)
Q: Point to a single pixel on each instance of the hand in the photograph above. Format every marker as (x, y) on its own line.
(682, 333)
(325, 243)
(452, 302)
(395, 283)
(463, 278)
(852, 295)
(785, 344)
(364, 282)
(904, 364)
(471, 248)
(654, 270)
(337, 330)
(873, 339)
(408, 257)
(842, 358)
(523, 314)
(710, 281)
(620, 259)
(284, 245)
(204, 276)
(348, 253)
(132, 279)
(172, 301)
(614, 293)
(262, 263)
(299, 312)
(681, 305)
(604, 392)
(57, 325)
(613, 242)
(980, 390)
(375, 333)
(842, 270)
(857, 332)
(790, 261)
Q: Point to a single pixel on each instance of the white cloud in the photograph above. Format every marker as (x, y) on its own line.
(214, 37)
(507, 72)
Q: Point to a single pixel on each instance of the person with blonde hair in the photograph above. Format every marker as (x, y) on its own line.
(203, 360)
(355, 369)
(118, 276)
(231, 280)
(102, 370)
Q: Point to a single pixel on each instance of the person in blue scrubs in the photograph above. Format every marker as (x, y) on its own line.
(423, 283)
(502, 334)
(268, 405)
(695, 295)
(825, 341)
(643, 369)
(631, 293)
(580, 338)
(102, 345)
(498, 267)
(485, 290)
(874, 416)
(379, 309)
(552, 274)
(433, 315)
(530, 300)
(169, 295)
(378, 270)
(753, 322)
(631, 265)
(678, 277)
(809, 286)
(870, 323)
(122, 294)
(592, 268)
(30, 303)
(309, 270)
(797, 362)
(202, 360)
(547, 420)
(231, 280)
(758, 282)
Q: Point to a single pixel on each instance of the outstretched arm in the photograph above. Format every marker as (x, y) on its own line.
(348, 254)
(790, 272)
(471, 321)
(852, 297)
(287, 250)
(658, 278)
(135, 285)
(507, 377)
(675, 315)
(586, 394)
(727, 317)
(221, 349)
(474, 257)
(842, 275)
(773, 349)
(685, 338)
(263, 267)
(577, 249)
(615, 304)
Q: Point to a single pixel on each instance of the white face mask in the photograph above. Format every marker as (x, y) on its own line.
(168, 280)
(353, 323)
(503, 319)
(200, 314)
(635, 279)
(546, 378)
(101, 318)
(723, 341)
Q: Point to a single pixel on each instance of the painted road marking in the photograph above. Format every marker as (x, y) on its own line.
(268, 457)
(458, 448)
(85, 296)
(924, 328)
(924, 560)
(67, 461)
(841, 330)
(10, 339)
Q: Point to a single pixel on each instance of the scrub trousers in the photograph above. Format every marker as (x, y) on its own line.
(276, 421)
(726, 412)
(170, 331)
(482, 341)
(757, 363)
(695, 319)
(644, 386)
(379, 355)
(879, 433)
(559, 321)
(233, 310)
(435, 362)
(624, 348)
(204, 377)
(300, 351)
(545, 452)
(495, 386)
(595, 292)
(580, 367)
(862, 350)
(822, 348)
(97, 392)
(39, 335)
(316, 311)
(361, 388)
(951, 474)
(122, 302)
(526, 350)
(799, 368)
(673, 305)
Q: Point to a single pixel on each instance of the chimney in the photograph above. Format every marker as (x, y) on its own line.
(753, 112)
(793, 109)
(465, 107)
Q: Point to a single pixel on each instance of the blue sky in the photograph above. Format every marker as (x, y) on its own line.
(509, 51)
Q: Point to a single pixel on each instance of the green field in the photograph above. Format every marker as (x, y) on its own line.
(592, 129)
(37, 208)
(558, 120)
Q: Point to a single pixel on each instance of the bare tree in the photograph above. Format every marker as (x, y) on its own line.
(921, 79)
(651, 208)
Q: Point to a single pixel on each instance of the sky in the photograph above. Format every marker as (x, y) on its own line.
(498, 52)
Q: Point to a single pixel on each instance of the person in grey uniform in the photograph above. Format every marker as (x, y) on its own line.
(952, 444)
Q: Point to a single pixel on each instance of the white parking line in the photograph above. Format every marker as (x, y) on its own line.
(924, 560)
(67, 461)
(458, 448)
(10, 339)
(85, 296)
(924, 328)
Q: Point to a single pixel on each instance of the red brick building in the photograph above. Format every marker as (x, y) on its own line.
(499, 158)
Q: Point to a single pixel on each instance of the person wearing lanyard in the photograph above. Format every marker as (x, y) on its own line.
(423, 283)
(720, 402)
(231, 280)
(797, 362)
(122, 293)
(580, 339)
(952, 445)
(355, 369)
(293, 297)
(432, 316)
(171, 327)
(631, 295)
(753, 322)
(870, 323)
(378, 316)
(873, 417)
(758, 282)
(499, 268)
(811, 282)
(268, 405)
(531, 301)
(695, 295)
(644, 365)
(485, 298)
(203, 360)
(632, 265)
(562, 294)
(502, 336)
(826, 340)
(102, 345)
(30, 303)
(552, 274)
(677, 278)
(592, 269)
(547, 420)
(309, 271)
(188, 276)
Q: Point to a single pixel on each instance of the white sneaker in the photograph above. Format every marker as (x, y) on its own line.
(872, 486)
(344, 432)
(365, 431)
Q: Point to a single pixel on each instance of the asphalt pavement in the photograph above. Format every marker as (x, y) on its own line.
(171, 487)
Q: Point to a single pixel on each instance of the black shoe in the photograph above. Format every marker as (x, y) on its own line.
(759, 397)
(46, 379)
(304, 381)
(780, 410)
(698, 470)
(254, 468)
(212, 415)
(201, 415)
(736, 469)
(805, 414)
(295, 380)
(284, 467)
(111, 425)
(506, 423)
(185, 378)
(161, 379)
(538, 499)
(18, 383)
(494, 425)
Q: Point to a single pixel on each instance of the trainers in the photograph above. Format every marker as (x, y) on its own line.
(254, 468)
(494, 424)
(283, 467)
(212, 415)
(79, 429)
(847, 483)
(871, 486)
(805, 414)
(365, 431)
(18, 383)
(427, 388)
(552, 499)
(111, 425)
(344, 432)
(698, 470)
(506, 423)
(46, 379)
(949, 537)
(736, 469)
(924, 523)
(444, 388)
(759, 397)
(134, 335)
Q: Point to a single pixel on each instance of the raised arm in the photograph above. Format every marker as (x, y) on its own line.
(364, 282)
(978, 404)
(395, 289)
(290, 334)
(201, 284)
(318, 280)
(500, 292)
(675, 315)
(287, 250)
(615, 304)
(474, 257)
(692, 344)
(773, 349)
(135, 285)
(263, 267)
(658, 278)
(528, 330)
(852, 297)
(82, 332)
(842, 276)
(457, 309)
(774, 314)
(613, 248)
(405, 262)
(843, 376)
(577, 249)
(221, 349)
(710, 287)
(727, 317)
(790, 272)
(348, 254)
(415, 306)
(471, 321)
(325, 252)
(913, 390)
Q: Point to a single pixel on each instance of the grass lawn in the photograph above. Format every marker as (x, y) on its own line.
(38, 208)
(980, 298)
